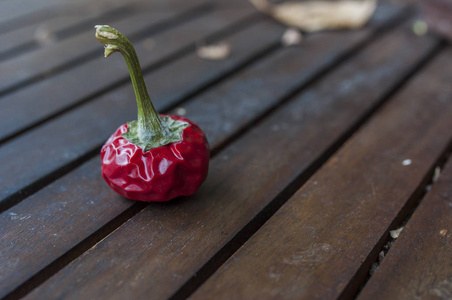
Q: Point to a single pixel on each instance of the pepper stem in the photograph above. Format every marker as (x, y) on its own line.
(150, 125)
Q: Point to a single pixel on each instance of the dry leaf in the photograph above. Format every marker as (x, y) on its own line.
(214, 52)
(291, 37)
(313, 16)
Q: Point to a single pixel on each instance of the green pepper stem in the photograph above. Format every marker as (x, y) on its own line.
(150, 124)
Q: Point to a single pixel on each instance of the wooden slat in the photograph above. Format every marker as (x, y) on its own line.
(173, 5)
(76, 50)
(327, 232)
(96, 120)
(57, 27)
(234, 4)
(36, 102)
(200, 70)
(22, 9)
(419, 264)
(245, 44)
(167, 243)
(21, 13)
(437, 15)
(23, 37)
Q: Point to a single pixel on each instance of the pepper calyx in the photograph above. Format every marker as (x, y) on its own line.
(175, 127)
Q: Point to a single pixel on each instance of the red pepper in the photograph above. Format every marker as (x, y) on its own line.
(157, 157)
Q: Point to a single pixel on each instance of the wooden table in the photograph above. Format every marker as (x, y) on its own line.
(319, 152)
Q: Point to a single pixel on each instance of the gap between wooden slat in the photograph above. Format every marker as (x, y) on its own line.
(155, 66)
(115, 223)
(248, 231)
(49, 178)
(28, 19)
(116, 13)
(254, 224)
(75, 252)
(363, 275)
(162, 26)
(19, 50)
(399, 19)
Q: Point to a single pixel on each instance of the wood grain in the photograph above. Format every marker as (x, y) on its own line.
(50, 97)
(163, 246)
(58, 142)
(23, 37)
(419, 264)
(65, 197)
(329, 228)
(21, 11)
(76, 50)
(95, 122)
(436, 14)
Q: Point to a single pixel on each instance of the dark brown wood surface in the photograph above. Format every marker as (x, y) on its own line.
(292, 131)
(244, 43)
(113, 110)
(30, 37)
(243, 180)
(23, 12)
(215, 135)
(437, 15)
(418, 266)
(328, 231)
(42, 63)
(50, 156)
(60, 94)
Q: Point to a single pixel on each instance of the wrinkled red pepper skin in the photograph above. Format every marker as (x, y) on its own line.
(159, 174)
